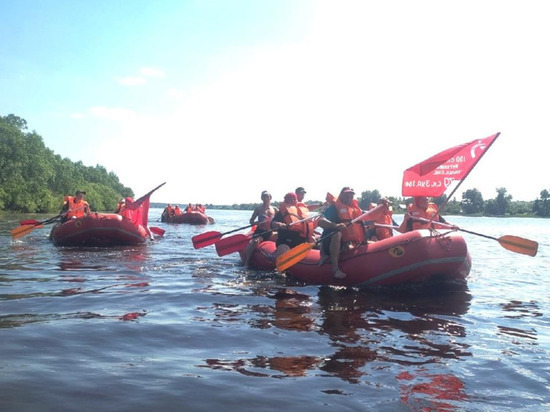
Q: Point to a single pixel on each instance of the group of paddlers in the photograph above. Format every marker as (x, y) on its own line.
(76, 207)
(345, 225)
(171, 211)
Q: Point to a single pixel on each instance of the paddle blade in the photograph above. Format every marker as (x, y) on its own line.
(519, 245)
(205, 239)
(29, 222)
(232, 244)
(22, 231)
(157, 230)
(293, 256)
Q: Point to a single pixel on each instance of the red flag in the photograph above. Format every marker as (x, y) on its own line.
(140, 208)
(433, 176)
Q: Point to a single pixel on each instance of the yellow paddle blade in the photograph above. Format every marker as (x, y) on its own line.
(293, 256)
(519, 245)
(22, 231)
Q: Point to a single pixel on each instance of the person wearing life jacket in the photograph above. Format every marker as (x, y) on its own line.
(421, 208)
(290, 233)
(189, 208)
(166, 213)
(177, 210)
(301, 192)
(380, 233)
(338, 233)
(119, 205)
(75, 206)
(264, 213)
(125, 211)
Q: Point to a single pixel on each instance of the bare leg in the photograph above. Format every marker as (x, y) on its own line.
(281, 249)
(335, 255)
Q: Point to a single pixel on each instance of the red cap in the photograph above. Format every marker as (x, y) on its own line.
(291, 196)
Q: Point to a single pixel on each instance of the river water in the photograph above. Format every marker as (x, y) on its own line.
(165, 327)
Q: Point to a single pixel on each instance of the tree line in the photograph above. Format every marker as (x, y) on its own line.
(472, 204)
(35, 179)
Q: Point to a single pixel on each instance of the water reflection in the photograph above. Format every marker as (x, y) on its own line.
(13, 321)
(403, 328)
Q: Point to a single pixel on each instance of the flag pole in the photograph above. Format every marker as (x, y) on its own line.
(469, 171)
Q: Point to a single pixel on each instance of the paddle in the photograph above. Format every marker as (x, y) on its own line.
(29, 222)
(235, 243)
(209, 238)
(28, 228)
(296, 254)
(157, 230)
(513, 243)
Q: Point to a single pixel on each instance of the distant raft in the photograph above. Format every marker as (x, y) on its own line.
(409, 258)
(98, 229)
(193, 217)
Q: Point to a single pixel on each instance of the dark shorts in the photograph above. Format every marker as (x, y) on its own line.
(263, 234)
(289, 238)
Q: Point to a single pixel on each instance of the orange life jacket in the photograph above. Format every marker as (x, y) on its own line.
(125, 212)
(385, 219)
(353, 233)
(76, 209)
(293, 214)
(431, 213)
(303, 212)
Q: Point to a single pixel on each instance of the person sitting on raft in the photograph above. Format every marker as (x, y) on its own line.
(74, 206)
(338, 234)
(289, 233)
(423, 209)
(264, 213)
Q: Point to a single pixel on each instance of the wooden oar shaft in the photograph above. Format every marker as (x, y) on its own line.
(26, 229)
(513, 243)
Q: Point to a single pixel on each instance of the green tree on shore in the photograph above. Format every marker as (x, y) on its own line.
(34, 179)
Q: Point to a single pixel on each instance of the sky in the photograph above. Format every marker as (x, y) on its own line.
(224, 99)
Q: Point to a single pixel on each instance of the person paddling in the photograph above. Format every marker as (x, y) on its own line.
(339, 233)
(74, 206)
(264, 213)
(424, 209)
(290, 233)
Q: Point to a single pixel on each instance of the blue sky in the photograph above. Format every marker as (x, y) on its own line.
(224, 99)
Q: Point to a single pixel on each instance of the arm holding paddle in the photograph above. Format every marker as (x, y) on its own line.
(330, 221)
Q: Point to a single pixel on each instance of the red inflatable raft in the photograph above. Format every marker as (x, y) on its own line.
(194, 218)
(412, 257)
(98, 229)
